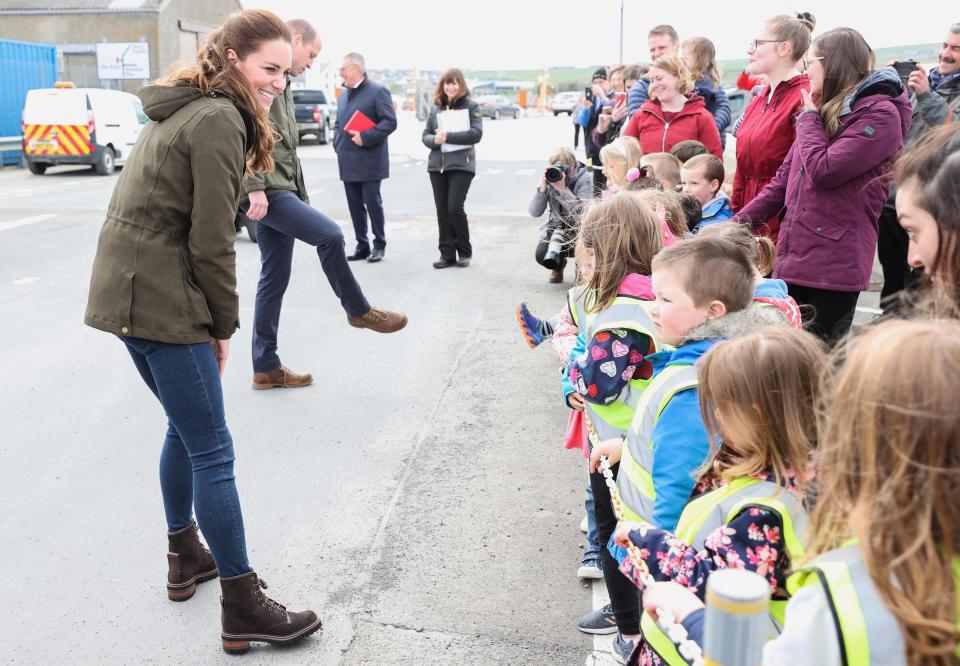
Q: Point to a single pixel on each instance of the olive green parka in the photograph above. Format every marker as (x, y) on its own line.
(165, 267)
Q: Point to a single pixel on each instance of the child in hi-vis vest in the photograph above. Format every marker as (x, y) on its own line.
(758, 394)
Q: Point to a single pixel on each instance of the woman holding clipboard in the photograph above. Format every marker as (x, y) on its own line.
(453, 127)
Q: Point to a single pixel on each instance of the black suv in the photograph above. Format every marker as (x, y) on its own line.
(314, 114)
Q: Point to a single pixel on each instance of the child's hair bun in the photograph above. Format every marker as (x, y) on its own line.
(808, 20)
(633, 174)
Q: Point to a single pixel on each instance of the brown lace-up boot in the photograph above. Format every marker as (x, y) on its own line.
(249, 615)
(190, 563)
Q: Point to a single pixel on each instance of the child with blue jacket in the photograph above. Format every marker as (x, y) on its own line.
(702, 176)
(703, 289)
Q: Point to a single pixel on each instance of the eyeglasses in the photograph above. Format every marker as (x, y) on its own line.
(807, 61)
(753, 45)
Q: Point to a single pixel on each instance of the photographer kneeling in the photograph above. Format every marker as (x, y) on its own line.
(565, 186)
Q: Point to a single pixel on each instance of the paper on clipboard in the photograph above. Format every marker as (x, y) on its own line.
(453, 120)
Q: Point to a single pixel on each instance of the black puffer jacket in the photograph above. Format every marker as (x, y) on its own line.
(457, 160)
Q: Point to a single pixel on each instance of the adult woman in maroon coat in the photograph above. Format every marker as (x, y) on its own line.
(768, 127)
(835, 179)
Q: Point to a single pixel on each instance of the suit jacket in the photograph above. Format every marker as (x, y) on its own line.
(371, 161)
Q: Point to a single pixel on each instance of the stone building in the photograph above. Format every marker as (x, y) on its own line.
(172, 30)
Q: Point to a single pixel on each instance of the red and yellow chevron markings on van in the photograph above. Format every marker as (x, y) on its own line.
(56, 139)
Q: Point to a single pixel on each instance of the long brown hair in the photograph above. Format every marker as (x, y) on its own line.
(890, 474)
(760, 250)
(759, 394)
(932, 166)
(449, 76)
(703, 59)
(243, 32)
(847, 61)
(624, 235)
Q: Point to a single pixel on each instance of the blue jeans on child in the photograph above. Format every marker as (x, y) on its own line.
(593, 543)
(196, 463)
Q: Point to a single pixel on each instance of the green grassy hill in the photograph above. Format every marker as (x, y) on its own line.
(574, 78)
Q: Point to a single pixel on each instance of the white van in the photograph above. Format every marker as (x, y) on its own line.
(67, 125)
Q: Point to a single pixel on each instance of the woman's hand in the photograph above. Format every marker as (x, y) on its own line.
(621, 535)
(440, 137)
(221, 349)
(620, 109)
(543, 179)
(603, 122)
(611, 448)
(808, 102)
(671, 597)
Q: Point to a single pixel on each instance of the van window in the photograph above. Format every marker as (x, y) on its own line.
(141, 116)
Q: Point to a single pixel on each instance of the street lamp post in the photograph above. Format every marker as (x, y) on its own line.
(620, 59)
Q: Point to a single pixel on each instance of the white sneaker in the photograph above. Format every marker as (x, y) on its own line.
(583, 525)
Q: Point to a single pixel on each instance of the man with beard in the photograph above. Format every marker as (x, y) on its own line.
(278, 202)
(936, 100)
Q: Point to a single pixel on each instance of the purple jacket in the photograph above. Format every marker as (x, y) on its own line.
(830, 191)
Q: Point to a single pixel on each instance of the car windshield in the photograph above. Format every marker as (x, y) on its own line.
(309, 97)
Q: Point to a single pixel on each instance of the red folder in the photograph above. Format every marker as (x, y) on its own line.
(358, 123)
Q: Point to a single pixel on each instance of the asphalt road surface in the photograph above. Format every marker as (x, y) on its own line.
(416, 495)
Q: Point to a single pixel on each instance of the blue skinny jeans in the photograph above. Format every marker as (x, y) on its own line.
(196, 462)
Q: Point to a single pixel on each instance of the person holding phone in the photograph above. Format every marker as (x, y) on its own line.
(935, 98)
(596, 98)
(612, 117)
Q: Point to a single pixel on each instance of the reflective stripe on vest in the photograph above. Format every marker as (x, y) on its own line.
(578, 309)
(718, 507)
(629, 313)
(635, 478)
(867, 632)
(660, 642)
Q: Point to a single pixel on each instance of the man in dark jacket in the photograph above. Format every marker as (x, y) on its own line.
(278, 202)
(363, 157)
(588, 119)
(936, 100)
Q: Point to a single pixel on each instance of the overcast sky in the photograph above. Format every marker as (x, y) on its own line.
(523, 34)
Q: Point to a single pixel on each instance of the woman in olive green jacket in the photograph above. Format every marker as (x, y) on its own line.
(164, 281)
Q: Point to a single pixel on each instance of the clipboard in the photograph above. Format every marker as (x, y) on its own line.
(453, 120)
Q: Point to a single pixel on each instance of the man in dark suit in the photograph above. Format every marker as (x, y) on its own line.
(363, 157)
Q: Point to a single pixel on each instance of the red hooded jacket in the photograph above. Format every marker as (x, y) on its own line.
(763, 140)
(656, 135)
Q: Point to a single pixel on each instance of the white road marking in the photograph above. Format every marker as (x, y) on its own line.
(24, 221)
(602, 643)
(314, 192)
(873, 311)
(26, 280)
(525, 172)
(492, 172)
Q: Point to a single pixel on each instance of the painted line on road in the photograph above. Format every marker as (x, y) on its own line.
(525, 172)
(314, 192)
(26, 280)
(24, 221)
(873, 311)
(493, 172)
(602, 643)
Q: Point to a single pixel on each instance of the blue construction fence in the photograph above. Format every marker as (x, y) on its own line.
(23, 66)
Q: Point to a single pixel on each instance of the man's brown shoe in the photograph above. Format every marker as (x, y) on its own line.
(282, 377)
(556, 276)
(380, 320)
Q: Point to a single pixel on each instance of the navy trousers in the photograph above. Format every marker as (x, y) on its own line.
(363, 197)
(288, 219)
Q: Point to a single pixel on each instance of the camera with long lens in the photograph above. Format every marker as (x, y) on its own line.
(555, 172)
(553, 257)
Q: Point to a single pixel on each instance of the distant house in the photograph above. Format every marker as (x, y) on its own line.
(172, 29)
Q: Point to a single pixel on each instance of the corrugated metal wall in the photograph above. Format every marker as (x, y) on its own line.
(23, 66)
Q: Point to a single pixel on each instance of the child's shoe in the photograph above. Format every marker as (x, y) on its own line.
(534, 330)
(623, 648)
(590, 567)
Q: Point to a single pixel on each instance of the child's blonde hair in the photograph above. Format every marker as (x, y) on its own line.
(759, 393)
(676, 220)
(890, 474)
(624, 235)
(665, 165)
(623, 151)
(760, 250)
(703, 59)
